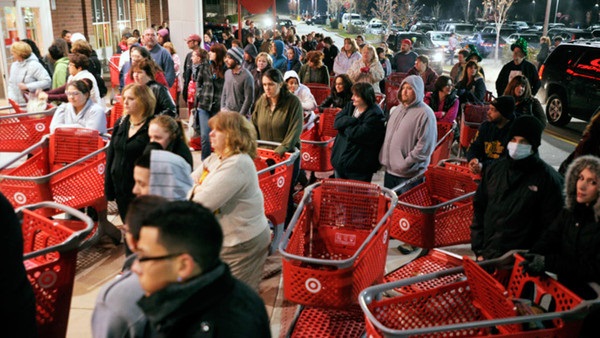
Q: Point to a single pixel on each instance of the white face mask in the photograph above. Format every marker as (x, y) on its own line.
(518, 151)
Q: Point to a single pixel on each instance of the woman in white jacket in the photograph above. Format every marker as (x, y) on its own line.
(80, 111)
(26, 74)
(309, 104)
(367, 69)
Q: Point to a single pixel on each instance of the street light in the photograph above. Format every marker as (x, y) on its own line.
(556, 10)
(468, 7)
(533, 13)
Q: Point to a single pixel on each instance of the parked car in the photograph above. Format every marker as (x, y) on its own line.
(461, 29)
(347, 17)
(571, 82)
(361, 24)
(422, 45)
(569, 34)
(375, 27)
(485, 43)
(520, 25)
(439, 38)
(422, 27)
(319, 19)
(287, 23)
(533, 40)
(505, 32)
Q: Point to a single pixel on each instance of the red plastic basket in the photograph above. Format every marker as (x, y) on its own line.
(50, 257)
(21, 131)
(326, 121)
(324, 322)
(445, 132)
(320, 91)
(336, 244)
(113, 66)
(66, 167)
(315, 151)
(458, 309)
(391, 93)
(115, 113)
(275, 180)
(435, 260)
(472, 117)
(435, 213)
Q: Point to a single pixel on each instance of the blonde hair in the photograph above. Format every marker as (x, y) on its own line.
(169, 46)
(22, 49)
(266, 56)
(374, 56)
(351, 42)
(144, 96)
(240, 133)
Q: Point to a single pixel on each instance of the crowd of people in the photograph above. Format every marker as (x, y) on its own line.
(197, 236)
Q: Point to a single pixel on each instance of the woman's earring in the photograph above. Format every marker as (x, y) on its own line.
(179, 279)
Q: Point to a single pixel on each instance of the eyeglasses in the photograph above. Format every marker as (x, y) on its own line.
(158, 258)
(73, 93)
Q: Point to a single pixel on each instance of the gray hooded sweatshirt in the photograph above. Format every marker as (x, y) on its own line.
(411, 135)
(169, 175)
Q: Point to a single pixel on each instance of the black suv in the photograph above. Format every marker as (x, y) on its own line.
(571, 82)
(422, 45)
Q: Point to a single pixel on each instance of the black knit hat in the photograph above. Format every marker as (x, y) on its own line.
(528, 127)
(505, 105)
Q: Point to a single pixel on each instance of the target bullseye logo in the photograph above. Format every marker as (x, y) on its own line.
(40, 127)
(20, 198)
(101, 168)
(306, 156)
(404, 224)
(280, 181)
(47, 279)
(313, 285)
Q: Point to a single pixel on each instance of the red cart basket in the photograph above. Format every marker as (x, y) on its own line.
(20, 131)
(316, 150)
(445, 136)
(437, 212)
(320, 91)
(50, 257)
(275, 180)
(336, 243)
(472, 117)
(310, 321)
(477, 305)
(326, 120)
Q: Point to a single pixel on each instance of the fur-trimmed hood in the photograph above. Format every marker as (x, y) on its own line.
(582, 162)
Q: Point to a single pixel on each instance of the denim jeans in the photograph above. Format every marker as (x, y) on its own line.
(391, 181)
(202, 117)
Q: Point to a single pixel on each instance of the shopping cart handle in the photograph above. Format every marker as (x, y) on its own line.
(288, 162)
(72, 241)
(24, 153)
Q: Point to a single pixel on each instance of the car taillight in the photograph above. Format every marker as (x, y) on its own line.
(486, 44)
(541, 71)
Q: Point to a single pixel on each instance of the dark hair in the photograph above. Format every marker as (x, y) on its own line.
(137, 211)
(34, 48)
(83, 85)
(147, 66)
(441, 82)
(80, 60)
(518, 81)
(464, 53)
(64, 33)
(144, 160)
(328, 40)
(143, 52)
(379, 50)
(365, 91)
(188, 227)
(347, 82)
(424, 59)
(274, 75)
(217, 67)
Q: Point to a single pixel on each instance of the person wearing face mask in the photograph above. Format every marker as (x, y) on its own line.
(490, 141)
(519, 196)
(571, 246)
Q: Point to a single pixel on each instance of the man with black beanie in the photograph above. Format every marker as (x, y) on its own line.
(490, 141)
(518, 197)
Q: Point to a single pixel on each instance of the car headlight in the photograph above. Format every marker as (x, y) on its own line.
(268, 22)
(438, 56)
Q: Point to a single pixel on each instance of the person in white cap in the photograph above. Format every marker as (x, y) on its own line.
(238, 90)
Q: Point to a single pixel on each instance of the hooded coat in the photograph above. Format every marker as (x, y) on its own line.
(279, 60)
(411, 134)
(30, 72)
(514, 204)
(571, 245)
(295, 63)
(169, 175)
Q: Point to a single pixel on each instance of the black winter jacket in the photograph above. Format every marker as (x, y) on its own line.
(212, 305)
(164, 101)
(359, 140)
(515, 203)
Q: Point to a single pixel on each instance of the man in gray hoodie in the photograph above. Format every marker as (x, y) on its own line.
(410, 137)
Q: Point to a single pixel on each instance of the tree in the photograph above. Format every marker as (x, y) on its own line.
(334, 6)
(407, 11)
(384, 10)
(436, 9)
(498, 9)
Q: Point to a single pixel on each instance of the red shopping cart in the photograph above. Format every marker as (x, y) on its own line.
(50, 258)
(326, 323)
(476, 305)
(445, 132)
(316, 150)
(437, 212)
(380, 100)
(320, 91)
(115, 83)
(336, 243)
(326, 120)
(275, 180)
(472, 117)
(115, 113)
(22, 130)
